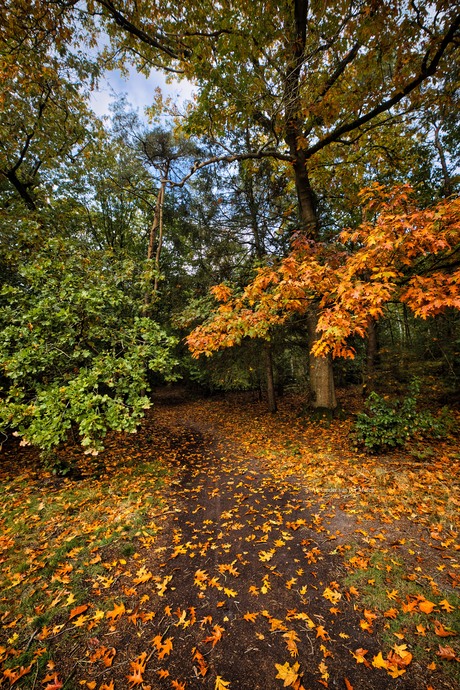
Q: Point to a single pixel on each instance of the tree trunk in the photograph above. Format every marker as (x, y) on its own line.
(320, 368)
(371, 355)
(157, 223)
(448, 187)
(321, 375)
(153, 227)
(160, 240)
(271, 397)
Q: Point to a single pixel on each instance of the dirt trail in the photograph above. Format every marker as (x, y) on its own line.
(249, 567)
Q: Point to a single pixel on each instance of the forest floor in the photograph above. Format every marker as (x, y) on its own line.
(224, 547)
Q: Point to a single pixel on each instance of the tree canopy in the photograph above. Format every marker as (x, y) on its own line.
(312, 180)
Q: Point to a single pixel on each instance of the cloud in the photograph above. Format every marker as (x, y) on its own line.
(139, 90)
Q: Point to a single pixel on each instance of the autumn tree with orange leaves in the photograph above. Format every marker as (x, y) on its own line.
(401, 253)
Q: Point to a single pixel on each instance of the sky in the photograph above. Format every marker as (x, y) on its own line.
(140, 90)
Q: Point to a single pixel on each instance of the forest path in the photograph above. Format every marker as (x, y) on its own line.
(221, 547)
(249, 576)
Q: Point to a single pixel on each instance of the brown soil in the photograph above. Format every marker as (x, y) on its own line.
(226, 516)
(241, 566)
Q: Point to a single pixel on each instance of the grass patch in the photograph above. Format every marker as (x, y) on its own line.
(409, 605)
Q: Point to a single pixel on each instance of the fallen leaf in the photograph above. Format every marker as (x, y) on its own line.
(78, 610)
(441, 631)
(426, 606)
(289, 674)
(117, 611)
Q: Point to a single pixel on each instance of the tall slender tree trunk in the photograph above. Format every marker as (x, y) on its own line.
(157, 225)
(320, 368)
(154, 226)
(448, 187)
(260, 252)
(160, 240)
(271, 396)
(371, 355)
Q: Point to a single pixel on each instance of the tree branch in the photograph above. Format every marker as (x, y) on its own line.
(428, 69)
(232, 158)
(131, 28)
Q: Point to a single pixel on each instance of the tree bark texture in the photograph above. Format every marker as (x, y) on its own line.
(320, 369)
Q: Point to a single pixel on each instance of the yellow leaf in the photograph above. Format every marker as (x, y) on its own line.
(401, 650)
(288, 673)
(323, 670)
(230, 592)
(379, 662)
(221, 684)
(333, 596)
(446, 606)
(359, 655)
(81, 620)
(395, 672)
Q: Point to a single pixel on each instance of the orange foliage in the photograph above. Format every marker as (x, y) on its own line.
(403, 254)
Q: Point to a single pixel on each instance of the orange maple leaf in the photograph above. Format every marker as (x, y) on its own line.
(107, 686)
(215, 636)
(55, 685)
(138, 668)
(177, 685)
(426, 606)
(165, 649)
(117, 611)
(321, 632)
(78, 610)
(441, 631)
(199, 658)
(14, 675)
(447, 653)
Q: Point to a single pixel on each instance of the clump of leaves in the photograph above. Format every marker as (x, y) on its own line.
(75, 352)
(389, 424)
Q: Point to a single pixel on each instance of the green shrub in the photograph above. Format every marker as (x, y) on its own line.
(390, 424)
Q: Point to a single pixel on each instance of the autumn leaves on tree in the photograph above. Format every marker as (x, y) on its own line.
(328, 100)
(404, 254)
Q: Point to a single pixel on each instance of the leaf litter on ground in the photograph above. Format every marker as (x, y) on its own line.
(223, 547)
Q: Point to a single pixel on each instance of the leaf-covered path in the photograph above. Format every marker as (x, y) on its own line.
(252, 580)
(252, 572)
(253, 593)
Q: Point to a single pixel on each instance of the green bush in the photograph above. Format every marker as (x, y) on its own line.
(390, 424)
(75, 350)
